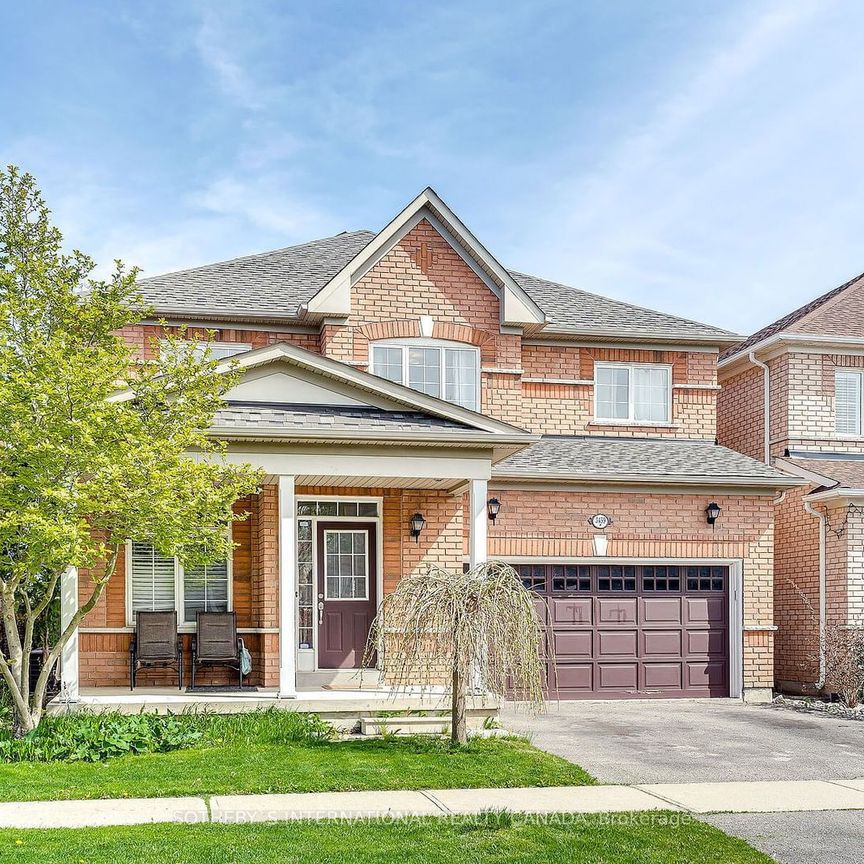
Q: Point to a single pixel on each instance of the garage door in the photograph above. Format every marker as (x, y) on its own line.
(628, 631)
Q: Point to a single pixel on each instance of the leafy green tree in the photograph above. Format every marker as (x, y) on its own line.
(96, 446)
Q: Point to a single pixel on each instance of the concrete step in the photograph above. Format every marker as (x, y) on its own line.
(415, 725)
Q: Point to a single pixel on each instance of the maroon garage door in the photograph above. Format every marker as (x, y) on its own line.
(627, 631)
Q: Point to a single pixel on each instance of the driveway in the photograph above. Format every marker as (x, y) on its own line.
(688, 741)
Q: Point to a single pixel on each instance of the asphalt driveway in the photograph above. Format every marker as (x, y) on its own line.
(682, 740)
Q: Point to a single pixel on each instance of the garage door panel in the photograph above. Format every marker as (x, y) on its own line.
(661, 643)
(569, 610)
(573, 679)
(661, 610)
(617, 676)
(573, 644)
(705, 610)
(617, 643)
(616, 610)
(706, 673)
(712, 642)
(663, 676)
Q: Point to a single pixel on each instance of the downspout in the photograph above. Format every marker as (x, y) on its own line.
(823, 523)
(766, 404)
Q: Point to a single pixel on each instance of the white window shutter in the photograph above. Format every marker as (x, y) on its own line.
(847, 403)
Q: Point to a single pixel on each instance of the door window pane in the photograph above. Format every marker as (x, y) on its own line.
(346, 565)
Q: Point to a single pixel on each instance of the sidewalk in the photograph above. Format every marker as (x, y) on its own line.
(757, 797)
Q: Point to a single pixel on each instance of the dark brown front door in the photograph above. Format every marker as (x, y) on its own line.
(630, 631)
(346, 592)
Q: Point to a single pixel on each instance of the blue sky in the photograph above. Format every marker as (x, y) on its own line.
(701, 158)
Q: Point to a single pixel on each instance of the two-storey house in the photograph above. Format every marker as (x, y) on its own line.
(792, 396)
(413, 401)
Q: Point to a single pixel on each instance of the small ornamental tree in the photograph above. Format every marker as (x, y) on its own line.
(83, 470)
(477, 630)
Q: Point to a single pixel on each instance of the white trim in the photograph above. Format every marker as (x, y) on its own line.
(797, 343)
(287, 588)
(580, 340)
(478, 529)
(631, 419)
(69, 667)
(735, 594)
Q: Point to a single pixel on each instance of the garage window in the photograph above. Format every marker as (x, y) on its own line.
(571, 577)
(706, 578)
(533, 576)
(616, 578)
(661, 578)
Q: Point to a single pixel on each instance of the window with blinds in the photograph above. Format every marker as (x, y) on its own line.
(153, 578)
(205, 589)
(847, 403)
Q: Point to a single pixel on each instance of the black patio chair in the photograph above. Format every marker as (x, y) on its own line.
(216, 643)
(156, 643)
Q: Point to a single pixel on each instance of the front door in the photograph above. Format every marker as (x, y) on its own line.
(346, 592)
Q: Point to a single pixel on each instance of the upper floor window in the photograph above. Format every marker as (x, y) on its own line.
(218, 350)
(847, 402)
(632, 393)
(450, 372)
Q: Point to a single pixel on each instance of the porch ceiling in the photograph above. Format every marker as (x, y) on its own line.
(370, 482)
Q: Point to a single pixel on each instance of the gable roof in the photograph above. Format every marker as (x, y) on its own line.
(308, 281)
(796, 317)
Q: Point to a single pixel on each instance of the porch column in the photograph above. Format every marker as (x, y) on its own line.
(69, 655)
(477, 495)
(287, 589)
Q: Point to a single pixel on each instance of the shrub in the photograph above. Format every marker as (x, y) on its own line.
(87, 737)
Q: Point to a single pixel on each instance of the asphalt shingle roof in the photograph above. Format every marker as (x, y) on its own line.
(587, 456)
(332, 418)
(847, 473)
(276, 283)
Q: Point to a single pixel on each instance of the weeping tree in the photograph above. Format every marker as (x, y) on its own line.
(82, 471)
(478, 629)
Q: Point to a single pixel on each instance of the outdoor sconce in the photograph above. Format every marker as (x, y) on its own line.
(493, 506)
(417, 523)
(712, 512)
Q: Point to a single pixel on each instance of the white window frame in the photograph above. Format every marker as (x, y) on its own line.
(179, 593)
(631, 420)
(442, 345)
(859, 374)
(200, 346)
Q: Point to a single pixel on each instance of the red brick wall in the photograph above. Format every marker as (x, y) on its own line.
(740, 414)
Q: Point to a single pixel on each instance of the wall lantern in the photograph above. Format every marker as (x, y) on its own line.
(712, 512)
(417, 523)
(493, 506)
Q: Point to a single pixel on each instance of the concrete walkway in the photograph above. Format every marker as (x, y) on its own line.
(697, 798)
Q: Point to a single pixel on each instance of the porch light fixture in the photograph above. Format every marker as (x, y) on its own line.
(712, 512)
(493, 506)
(417, 523)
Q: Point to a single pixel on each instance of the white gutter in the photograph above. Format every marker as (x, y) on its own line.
(823, 522)
(766, 404)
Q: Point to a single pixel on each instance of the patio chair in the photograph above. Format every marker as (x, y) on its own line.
(155, 644)
(216, 643)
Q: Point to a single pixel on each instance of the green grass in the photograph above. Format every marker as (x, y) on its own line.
(637, 838)
(262, 766)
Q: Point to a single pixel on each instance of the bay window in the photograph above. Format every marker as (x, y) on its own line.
(160, 583)
(446, 371)
(632, 393)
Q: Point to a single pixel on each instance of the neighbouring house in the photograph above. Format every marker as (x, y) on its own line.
(402, 388)
(792, 397)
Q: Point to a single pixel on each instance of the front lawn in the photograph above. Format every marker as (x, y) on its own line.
(646, 838)
(259, 753)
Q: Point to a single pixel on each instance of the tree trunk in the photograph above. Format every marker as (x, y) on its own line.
(458, 732)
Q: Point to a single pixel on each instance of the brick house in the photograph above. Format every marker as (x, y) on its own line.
(407, 373)
(792, 397)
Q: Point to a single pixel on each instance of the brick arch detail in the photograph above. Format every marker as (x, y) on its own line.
(410, 329)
